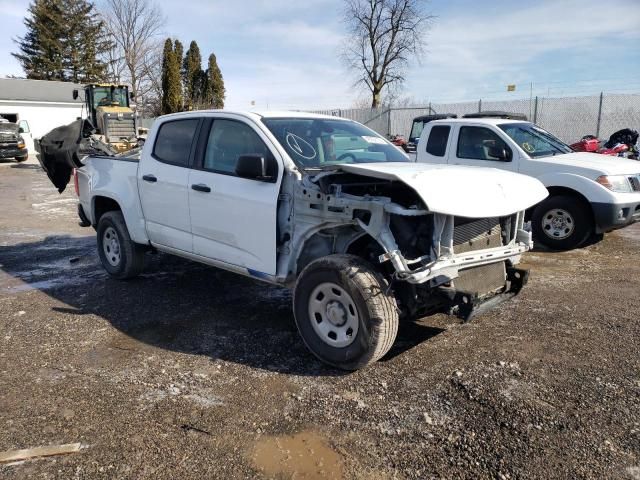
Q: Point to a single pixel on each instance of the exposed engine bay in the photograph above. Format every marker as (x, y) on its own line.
(431, 260)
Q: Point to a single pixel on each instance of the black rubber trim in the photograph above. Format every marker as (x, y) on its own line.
(606, 215)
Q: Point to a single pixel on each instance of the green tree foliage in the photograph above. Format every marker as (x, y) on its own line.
(171, 78)
(179, 51)
(65, 40)
(202, 89)
(192, 76)
(215, 84)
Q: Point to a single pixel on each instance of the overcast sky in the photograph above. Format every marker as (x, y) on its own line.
(285, 53)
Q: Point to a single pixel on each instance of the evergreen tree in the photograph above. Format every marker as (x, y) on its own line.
(179, 51)
(215, 84)
(41, 50)
(65, 40)
(192, 77)
(171, 78)
(85, 43)
(166, 58)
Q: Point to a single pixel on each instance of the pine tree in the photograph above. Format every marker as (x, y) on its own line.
(41, 50)
(179, 51)
(192, 76)
(215, 84)
(65, 40)
(85, 43)
(171, 78)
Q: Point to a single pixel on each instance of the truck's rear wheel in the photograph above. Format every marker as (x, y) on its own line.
(562, 222)
(120, 256)
(343, 312)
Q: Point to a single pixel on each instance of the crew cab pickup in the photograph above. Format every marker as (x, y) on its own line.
(588, 193)
(319, 204)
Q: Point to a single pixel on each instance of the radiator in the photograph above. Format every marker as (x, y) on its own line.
(478, 235)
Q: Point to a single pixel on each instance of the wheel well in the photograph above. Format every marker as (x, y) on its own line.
(564, 191)
(102, 205)
(338, 240)
(364, 246)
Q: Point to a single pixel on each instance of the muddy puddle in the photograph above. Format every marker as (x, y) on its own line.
(305, 455)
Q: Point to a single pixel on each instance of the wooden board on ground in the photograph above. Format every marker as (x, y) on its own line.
(48, 451)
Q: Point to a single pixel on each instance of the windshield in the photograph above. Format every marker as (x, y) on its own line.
(416, 129)
(317, 142)
(109, 97)
(535, 141)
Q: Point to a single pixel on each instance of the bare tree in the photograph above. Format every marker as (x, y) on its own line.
(384, 35)
(135, 27)
(152, 71)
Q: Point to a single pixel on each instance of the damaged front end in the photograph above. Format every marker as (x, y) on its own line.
(433, 261)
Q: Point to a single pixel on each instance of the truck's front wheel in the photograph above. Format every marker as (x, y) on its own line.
(120, 256)
(343, 311)
(562, 222)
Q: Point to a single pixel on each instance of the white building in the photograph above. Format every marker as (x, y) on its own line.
(44, 105)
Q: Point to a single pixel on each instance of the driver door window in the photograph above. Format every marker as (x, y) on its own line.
(228, 140)
(24, 125)
(480, 143)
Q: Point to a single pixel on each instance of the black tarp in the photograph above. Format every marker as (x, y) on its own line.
(59, 151)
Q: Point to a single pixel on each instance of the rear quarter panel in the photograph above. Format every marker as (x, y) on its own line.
(115, 179)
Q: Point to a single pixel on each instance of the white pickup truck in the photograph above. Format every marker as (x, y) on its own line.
(320, 204)
(588, 193)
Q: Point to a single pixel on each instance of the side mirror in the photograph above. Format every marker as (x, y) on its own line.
(131, 96)
(500, 153)
(20, 130)
(75, 94)
(257, 167)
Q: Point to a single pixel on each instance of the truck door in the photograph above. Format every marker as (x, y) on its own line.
(163, 176)
(25, 132)
(233, 219)
(482, 147)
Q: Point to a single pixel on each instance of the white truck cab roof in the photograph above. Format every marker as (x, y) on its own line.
(478, 121)
(256, 115)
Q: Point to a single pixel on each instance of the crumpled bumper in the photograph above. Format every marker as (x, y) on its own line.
(467, 305)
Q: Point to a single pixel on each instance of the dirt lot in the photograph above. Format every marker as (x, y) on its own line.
(190, 372)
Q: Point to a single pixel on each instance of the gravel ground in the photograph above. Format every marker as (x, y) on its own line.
(191, 372)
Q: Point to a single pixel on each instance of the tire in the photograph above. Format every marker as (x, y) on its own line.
(350, 302)
(562, 222)
(22, 159)
(120, 256)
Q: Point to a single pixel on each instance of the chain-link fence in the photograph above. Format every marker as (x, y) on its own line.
(569, 118)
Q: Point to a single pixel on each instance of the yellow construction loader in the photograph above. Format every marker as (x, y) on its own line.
(113, 119)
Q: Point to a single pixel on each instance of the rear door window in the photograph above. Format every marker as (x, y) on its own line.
(438, 138)
(174, 141)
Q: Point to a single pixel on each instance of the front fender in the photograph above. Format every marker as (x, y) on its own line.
(588, 188)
